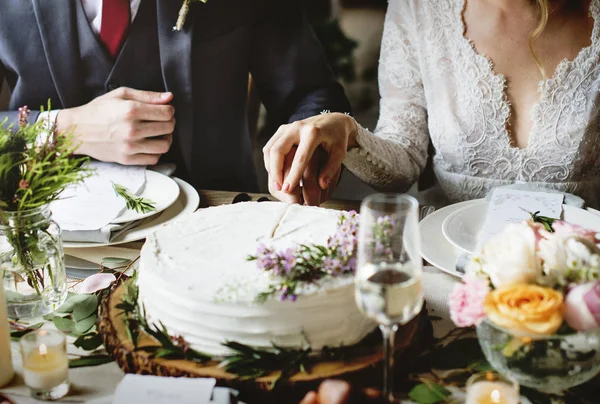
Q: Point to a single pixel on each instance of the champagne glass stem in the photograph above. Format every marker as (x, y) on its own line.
(389, 337)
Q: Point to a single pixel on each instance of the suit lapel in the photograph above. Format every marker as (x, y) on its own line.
(57, 24)
(176, 62)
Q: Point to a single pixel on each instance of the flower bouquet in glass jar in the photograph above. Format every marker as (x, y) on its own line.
(533, 294)
(35, 167)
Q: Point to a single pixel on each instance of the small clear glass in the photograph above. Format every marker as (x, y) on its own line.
(388, 285)
(45, 364)
(32, 264)
(492, 388)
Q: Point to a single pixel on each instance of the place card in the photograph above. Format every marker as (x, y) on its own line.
(510, 206)
(163, 390)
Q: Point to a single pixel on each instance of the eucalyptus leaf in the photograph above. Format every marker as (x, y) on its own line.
(85, 325)
(85, 308)
(93, 360)
(428, 393)
(64, 324)
(89, 342)
(72, 301)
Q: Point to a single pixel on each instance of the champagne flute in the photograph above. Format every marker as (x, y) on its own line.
(388, 285)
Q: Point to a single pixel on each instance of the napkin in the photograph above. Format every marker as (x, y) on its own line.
(166, 390)
(103, 235)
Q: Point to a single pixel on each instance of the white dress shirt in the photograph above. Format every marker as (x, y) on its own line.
(93, 10)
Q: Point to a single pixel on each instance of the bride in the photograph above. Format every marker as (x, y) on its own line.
(506, 91)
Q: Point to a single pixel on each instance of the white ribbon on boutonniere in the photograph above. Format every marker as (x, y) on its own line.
(183, 11)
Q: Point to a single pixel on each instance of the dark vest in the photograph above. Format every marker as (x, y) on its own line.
(138, 63)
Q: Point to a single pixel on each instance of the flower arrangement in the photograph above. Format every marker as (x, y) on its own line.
(534, 293)
(530, 280)
(35, 167)
(309, 263)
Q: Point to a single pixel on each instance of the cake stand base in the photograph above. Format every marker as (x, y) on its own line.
(362, 371)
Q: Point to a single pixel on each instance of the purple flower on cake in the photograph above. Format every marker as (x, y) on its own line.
(288, 260)
(309, 263)
(582, 307)
(466, 301)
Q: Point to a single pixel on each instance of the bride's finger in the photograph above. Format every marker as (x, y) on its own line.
(267, 148)
(277, 155)
(308, 144)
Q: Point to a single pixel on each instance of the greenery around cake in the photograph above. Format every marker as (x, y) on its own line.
(244, 361)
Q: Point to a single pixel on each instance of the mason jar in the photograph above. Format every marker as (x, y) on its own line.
(32, 264)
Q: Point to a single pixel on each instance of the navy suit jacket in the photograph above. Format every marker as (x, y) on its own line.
(205, 65)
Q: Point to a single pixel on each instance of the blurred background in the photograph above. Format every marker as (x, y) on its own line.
(350, 32)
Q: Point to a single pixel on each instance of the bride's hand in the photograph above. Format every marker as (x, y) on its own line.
(334, 132)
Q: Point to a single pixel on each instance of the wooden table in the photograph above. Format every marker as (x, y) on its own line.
(216, 198)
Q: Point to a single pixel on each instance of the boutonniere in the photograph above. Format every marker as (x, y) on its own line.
(183, 11)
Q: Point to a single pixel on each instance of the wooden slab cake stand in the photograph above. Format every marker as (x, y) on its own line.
(362, 371)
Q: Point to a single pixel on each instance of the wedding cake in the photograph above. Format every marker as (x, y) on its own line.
(195, 278)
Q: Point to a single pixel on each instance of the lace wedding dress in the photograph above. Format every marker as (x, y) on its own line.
(434, 85)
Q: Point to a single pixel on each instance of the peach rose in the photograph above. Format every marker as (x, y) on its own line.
(525, 309)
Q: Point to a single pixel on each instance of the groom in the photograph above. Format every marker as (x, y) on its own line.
(137, 91)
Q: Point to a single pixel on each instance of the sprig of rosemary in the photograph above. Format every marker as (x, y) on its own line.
(544, 220)
(244, 361)
(33, 172)
(252, 363)
(134, 202)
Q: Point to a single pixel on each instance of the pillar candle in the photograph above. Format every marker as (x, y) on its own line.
(6, 368)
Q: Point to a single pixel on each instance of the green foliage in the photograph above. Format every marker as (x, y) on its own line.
(134, 202)
(77, 317)
(34, 173)
(429, 393)
(92, 360)
(545, 221)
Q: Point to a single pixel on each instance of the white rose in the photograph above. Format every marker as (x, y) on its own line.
(510, 257)
(569, 258)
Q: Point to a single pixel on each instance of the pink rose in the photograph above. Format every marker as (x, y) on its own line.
(564, 229)
(582, 307)
(466, 301)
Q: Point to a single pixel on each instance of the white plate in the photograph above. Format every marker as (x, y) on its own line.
(462, 231)
(186, 203)
(435, 248)
(462, 227)
(160, 189)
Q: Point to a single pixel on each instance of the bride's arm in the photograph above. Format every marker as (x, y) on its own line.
(393, 156)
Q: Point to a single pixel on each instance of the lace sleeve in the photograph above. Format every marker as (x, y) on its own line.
(393, 156)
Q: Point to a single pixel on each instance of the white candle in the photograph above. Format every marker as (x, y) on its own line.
(45, 363)
(491, 388)
(45, 368)
(6, 368)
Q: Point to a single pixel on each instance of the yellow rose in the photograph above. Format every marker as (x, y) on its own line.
(525, 309)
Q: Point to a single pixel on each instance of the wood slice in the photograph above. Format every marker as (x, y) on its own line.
(362, 370)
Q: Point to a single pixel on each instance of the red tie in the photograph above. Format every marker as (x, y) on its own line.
(116, 15)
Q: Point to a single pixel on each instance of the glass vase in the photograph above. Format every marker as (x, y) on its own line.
(31, 263)
(549, 364)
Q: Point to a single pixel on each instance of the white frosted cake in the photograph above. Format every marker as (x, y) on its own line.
(195, 279)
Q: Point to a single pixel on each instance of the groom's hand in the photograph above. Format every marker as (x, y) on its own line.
(126, 126)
